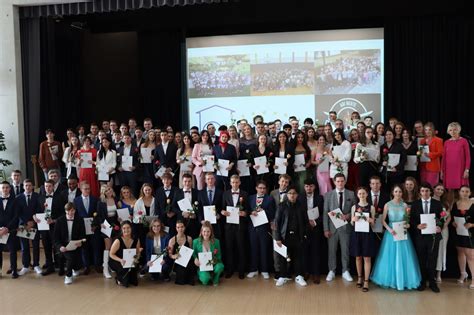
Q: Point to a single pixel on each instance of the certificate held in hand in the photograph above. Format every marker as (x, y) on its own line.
(362, 225)
(88, 225)
(261, 161)
(223, 165)
(210, 214)
(400, 231)
(299, 164)
(156, 267)
(260, 219)
(128, 256)
(283, 250)
(234, 215)
(313, 214)
(393, 161)
(281, 167)
(86, 158)
(204, 259)
(460, 228)
(336, 218)
(42, 224)
(184, 256)
(430, 221)
(127, 163)
(243, 168)
(209, 163)
(73, 245)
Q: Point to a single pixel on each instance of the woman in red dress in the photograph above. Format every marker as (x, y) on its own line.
(87, 170)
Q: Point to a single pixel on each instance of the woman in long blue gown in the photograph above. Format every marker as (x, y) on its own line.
(397, 264)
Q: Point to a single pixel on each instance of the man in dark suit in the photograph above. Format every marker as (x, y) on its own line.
(8, 224)
(69, 227)
(164, 199)
(258, 235)
(378, 199)
(16, 185)
(165, 153)
(52, 203)
(86, 207)
(55, 176)
(426, 245)
(128, 176)
(310, 199)
(211, 196)
(26, 205)
(189, 218)
(235, 234)
(73, 191)
(291, 226)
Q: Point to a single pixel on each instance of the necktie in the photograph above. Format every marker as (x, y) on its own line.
(426, 211)
(17, 188)
(210, 195)
(86, 204)
(376, 201)
(28, 198)
(341, 200)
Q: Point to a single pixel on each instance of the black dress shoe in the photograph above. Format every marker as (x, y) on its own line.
(422, 287)
(86, 271)
(434, 287)
(98, 269)
(9, 272)
(61, 272)
(45, 266)
(241, 276)
(47, 272)
(14, 275)
(228, 275)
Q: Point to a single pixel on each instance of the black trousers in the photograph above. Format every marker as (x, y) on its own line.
(427, 251)
(72, 259)
(12, 248)
(126, 276)
(313, 251)
(295, 254)
(235, 244)
(25, 251)
(47, 239)
(91, 250)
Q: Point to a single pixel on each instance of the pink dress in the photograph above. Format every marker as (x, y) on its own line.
(456, 159)
(324, 181)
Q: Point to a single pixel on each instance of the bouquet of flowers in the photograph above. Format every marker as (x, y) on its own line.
(214, 259)
(270, 158)
(361, 153)
(443, 216)
(258, 204)
(361, 215)
(142, 218)
(339, 168)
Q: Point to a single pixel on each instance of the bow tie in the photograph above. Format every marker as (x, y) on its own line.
(187, 191)
(49, 196)
(282, 192)
(167, 190)
(3, 198)
(70, 220)
(235, 193)
(260, 197)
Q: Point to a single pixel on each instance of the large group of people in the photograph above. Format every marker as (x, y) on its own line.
(217, 82)
(282, 79)
(259, 199)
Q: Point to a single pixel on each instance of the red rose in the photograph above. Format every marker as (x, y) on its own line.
(136, 149)
(359, 209)
(379, 210)
(408, 210)
(116, 228)
(385, 151)
(140, 212)
(270, 154)
(215, 251)
(443, 214)
(353, 145)
(462, 212)
(422, 141)
(157, 162)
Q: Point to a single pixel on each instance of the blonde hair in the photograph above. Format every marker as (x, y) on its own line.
(455, 124)
(103, 189)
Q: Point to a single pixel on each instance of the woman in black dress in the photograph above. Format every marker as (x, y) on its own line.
(464, 208)
(283, 149)
(183, 275)
(410, 147)
(261, 149)
(392, 174)
(125, 276)
(362, 244)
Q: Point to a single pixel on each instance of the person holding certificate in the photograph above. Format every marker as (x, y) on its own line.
(439, 193)
(207, 243)
(147, 150)
(301, 149)
(184, 158)
(362, 245)
(320, 158)
(50, 153)
(127, 162)
(338, 199)
(367, 155)
(227, 152)
(188, 216)
(285, 150)
(117, 262)
(165, 153)
(410, 147)
(184, 275)
(247, 146)
(70, 157)
(210, 199)
(429, 170)
(424, 220)
(393, 161)
(200, 150)
(396, 265)
(144, 207)
(157, 244)
(87, 156)
(291, 227)
(463, 221)
(69, 229)
(261, 149)
(107, 211)
(235, 231)
(258, 235)
(106, 161)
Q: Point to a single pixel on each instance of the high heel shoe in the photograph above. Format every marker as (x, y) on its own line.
(462, 277)
(359, 282)
(366, 288)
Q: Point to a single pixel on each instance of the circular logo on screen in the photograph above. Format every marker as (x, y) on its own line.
(345, 106)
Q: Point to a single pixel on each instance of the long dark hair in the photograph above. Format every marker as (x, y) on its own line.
(209, 140)
(341, 132)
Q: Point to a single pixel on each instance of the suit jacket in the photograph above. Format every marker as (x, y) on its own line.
(57, 206)
(65, 194)
(276, 196)
(160, 202)
(318, 201)
(102, 212)
(61, 235)
(167, 159)
(45, 158)
(117, 145)
(331, 202)
(289, 150)
(203, 200)
(81, 210)
(229, 154)
(8, 217)
(396, 148)
(268, 205)
(134, 153)
(417, 209)
(383, 199)
(25, 211)
(179, 195)
(281, 220)
(12, 189)
(227, 200)
(61, 187)
(164, 240)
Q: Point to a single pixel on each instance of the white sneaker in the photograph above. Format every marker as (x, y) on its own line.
(347, 276)
(251, 274)
(281, 281)
(300, 280)
(38, 270)
(330, 276)
(67, 280)
(23, 271)
(265, 275)
(75, 273)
